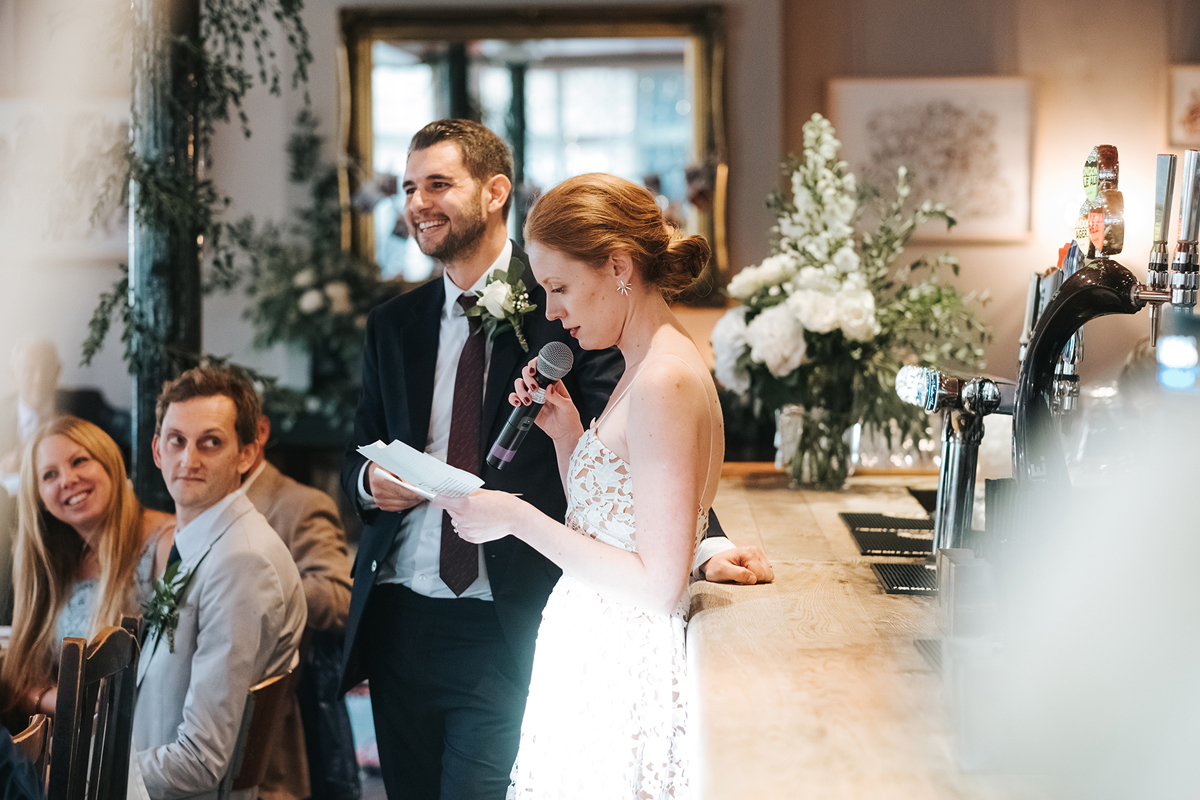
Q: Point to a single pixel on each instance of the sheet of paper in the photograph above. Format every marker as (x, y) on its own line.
(423, 471)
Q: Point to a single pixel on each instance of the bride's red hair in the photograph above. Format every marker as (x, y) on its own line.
(590, 217)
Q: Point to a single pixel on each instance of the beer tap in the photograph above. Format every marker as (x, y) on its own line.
(963, 403)
(1160, 258)
(1066, 372)
(1185, 265)
(1102, 287)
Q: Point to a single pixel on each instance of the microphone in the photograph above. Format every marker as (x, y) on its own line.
(553, 362)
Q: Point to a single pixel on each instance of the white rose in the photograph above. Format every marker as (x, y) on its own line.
(339, 297)
(846, 260)
(856, 308)
(855, 280)
(729, 342)
(744, 284)
(816, 278)
(776, 339)
(816, 311)
(312, 300)
(496, 299)
(304, 278)
(776, 269)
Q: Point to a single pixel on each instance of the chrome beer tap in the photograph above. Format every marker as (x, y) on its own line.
(1185, 265)
(963, 403)
(1100, 288)
(1160, 256)
(1066, 372)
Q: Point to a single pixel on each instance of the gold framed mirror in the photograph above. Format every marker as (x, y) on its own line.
(632, 91)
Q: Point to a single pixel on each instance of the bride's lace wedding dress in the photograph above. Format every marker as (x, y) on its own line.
(607, 712)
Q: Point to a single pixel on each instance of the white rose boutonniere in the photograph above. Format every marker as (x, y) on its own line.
(504, 302)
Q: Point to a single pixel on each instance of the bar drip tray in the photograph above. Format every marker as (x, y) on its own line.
(906, 578)
(926, 497)
(932, 650)
(881, 535)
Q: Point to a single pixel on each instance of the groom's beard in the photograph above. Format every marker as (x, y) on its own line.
(464, 238)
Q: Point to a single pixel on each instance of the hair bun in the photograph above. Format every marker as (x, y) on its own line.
(681, 263)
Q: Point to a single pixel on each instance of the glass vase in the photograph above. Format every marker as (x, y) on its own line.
(814, 447)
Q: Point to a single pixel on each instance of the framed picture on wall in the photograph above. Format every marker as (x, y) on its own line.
(967, 143)
(1185, 106)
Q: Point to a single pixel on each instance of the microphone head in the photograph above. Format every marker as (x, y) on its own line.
(555, 360)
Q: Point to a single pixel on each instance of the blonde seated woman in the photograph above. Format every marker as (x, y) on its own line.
(87, 552)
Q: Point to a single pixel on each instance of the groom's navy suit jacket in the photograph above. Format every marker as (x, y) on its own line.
(399, 357)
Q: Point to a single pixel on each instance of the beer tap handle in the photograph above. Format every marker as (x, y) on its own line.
(1160, 256)
(1031, 307)
(1184, 265)
(936, 391)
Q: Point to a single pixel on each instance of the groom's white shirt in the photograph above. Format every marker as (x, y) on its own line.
(240, 622)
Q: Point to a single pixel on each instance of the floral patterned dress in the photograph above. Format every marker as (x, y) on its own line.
(76, 615)
(607, 712)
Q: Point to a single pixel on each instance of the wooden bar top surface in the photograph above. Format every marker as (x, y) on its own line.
(810, 686)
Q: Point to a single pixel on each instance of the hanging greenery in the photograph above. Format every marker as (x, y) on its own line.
(234, 52)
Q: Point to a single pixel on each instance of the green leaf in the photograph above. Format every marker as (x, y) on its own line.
(516, 269)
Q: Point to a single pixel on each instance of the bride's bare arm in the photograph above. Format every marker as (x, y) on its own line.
(668, 435)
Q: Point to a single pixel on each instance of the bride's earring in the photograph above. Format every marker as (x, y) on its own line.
(623, 287)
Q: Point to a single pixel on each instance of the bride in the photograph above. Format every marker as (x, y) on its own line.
(607, 711)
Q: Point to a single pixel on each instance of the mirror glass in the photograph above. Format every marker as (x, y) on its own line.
(638, 105)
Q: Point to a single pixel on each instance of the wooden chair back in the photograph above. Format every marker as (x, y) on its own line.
(93, 718)
(267, 703)
(34, 742)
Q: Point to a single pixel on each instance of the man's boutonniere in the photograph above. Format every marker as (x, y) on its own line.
(503, 302)
(161, 611)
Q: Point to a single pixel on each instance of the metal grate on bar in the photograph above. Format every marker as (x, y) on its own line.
(932, 650)
(926, 497)
(906, 578)
(880, 535)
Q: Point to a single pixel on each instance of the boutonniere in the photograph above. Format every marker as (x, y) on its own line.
(161, 611)
(504, 302)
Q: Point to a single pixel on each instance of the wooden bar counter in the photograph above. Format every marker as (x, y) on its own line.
(810, 686)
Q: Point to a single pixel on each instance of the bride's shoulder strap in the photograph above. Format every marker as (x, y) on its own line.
(641, 368)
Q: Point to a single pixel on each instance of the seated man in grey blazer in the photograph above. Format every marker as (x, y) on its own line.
(242, 611)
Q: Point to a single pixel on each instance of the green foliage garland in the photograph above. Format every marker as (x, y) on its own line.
(232, 32)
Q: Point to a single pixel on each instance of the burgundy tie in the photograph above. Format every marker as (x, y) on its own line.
(459, 563)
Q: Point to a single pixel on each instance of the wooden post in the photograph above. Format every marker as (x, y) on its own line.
(516, 133)
(164, 257)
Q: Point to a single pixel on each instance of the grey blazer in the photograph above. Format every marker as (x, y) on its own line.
(241, 621)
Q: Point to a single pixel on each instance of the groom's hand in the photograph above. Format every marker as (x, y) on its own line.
(389, 495)
(744, 565)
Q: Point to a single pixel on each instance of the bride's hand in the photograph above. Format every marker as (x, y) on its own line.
(558, 418)
(485, 515)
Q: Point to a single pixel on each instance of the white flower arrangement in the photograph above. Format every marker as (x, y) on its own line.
(504, 302)
(826, 320)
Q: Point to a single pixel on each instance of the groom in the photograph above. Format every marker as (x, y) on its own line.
(445, 630)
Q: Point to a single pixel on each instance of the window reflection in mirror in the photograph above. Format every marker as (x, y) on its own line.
(622, 106)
